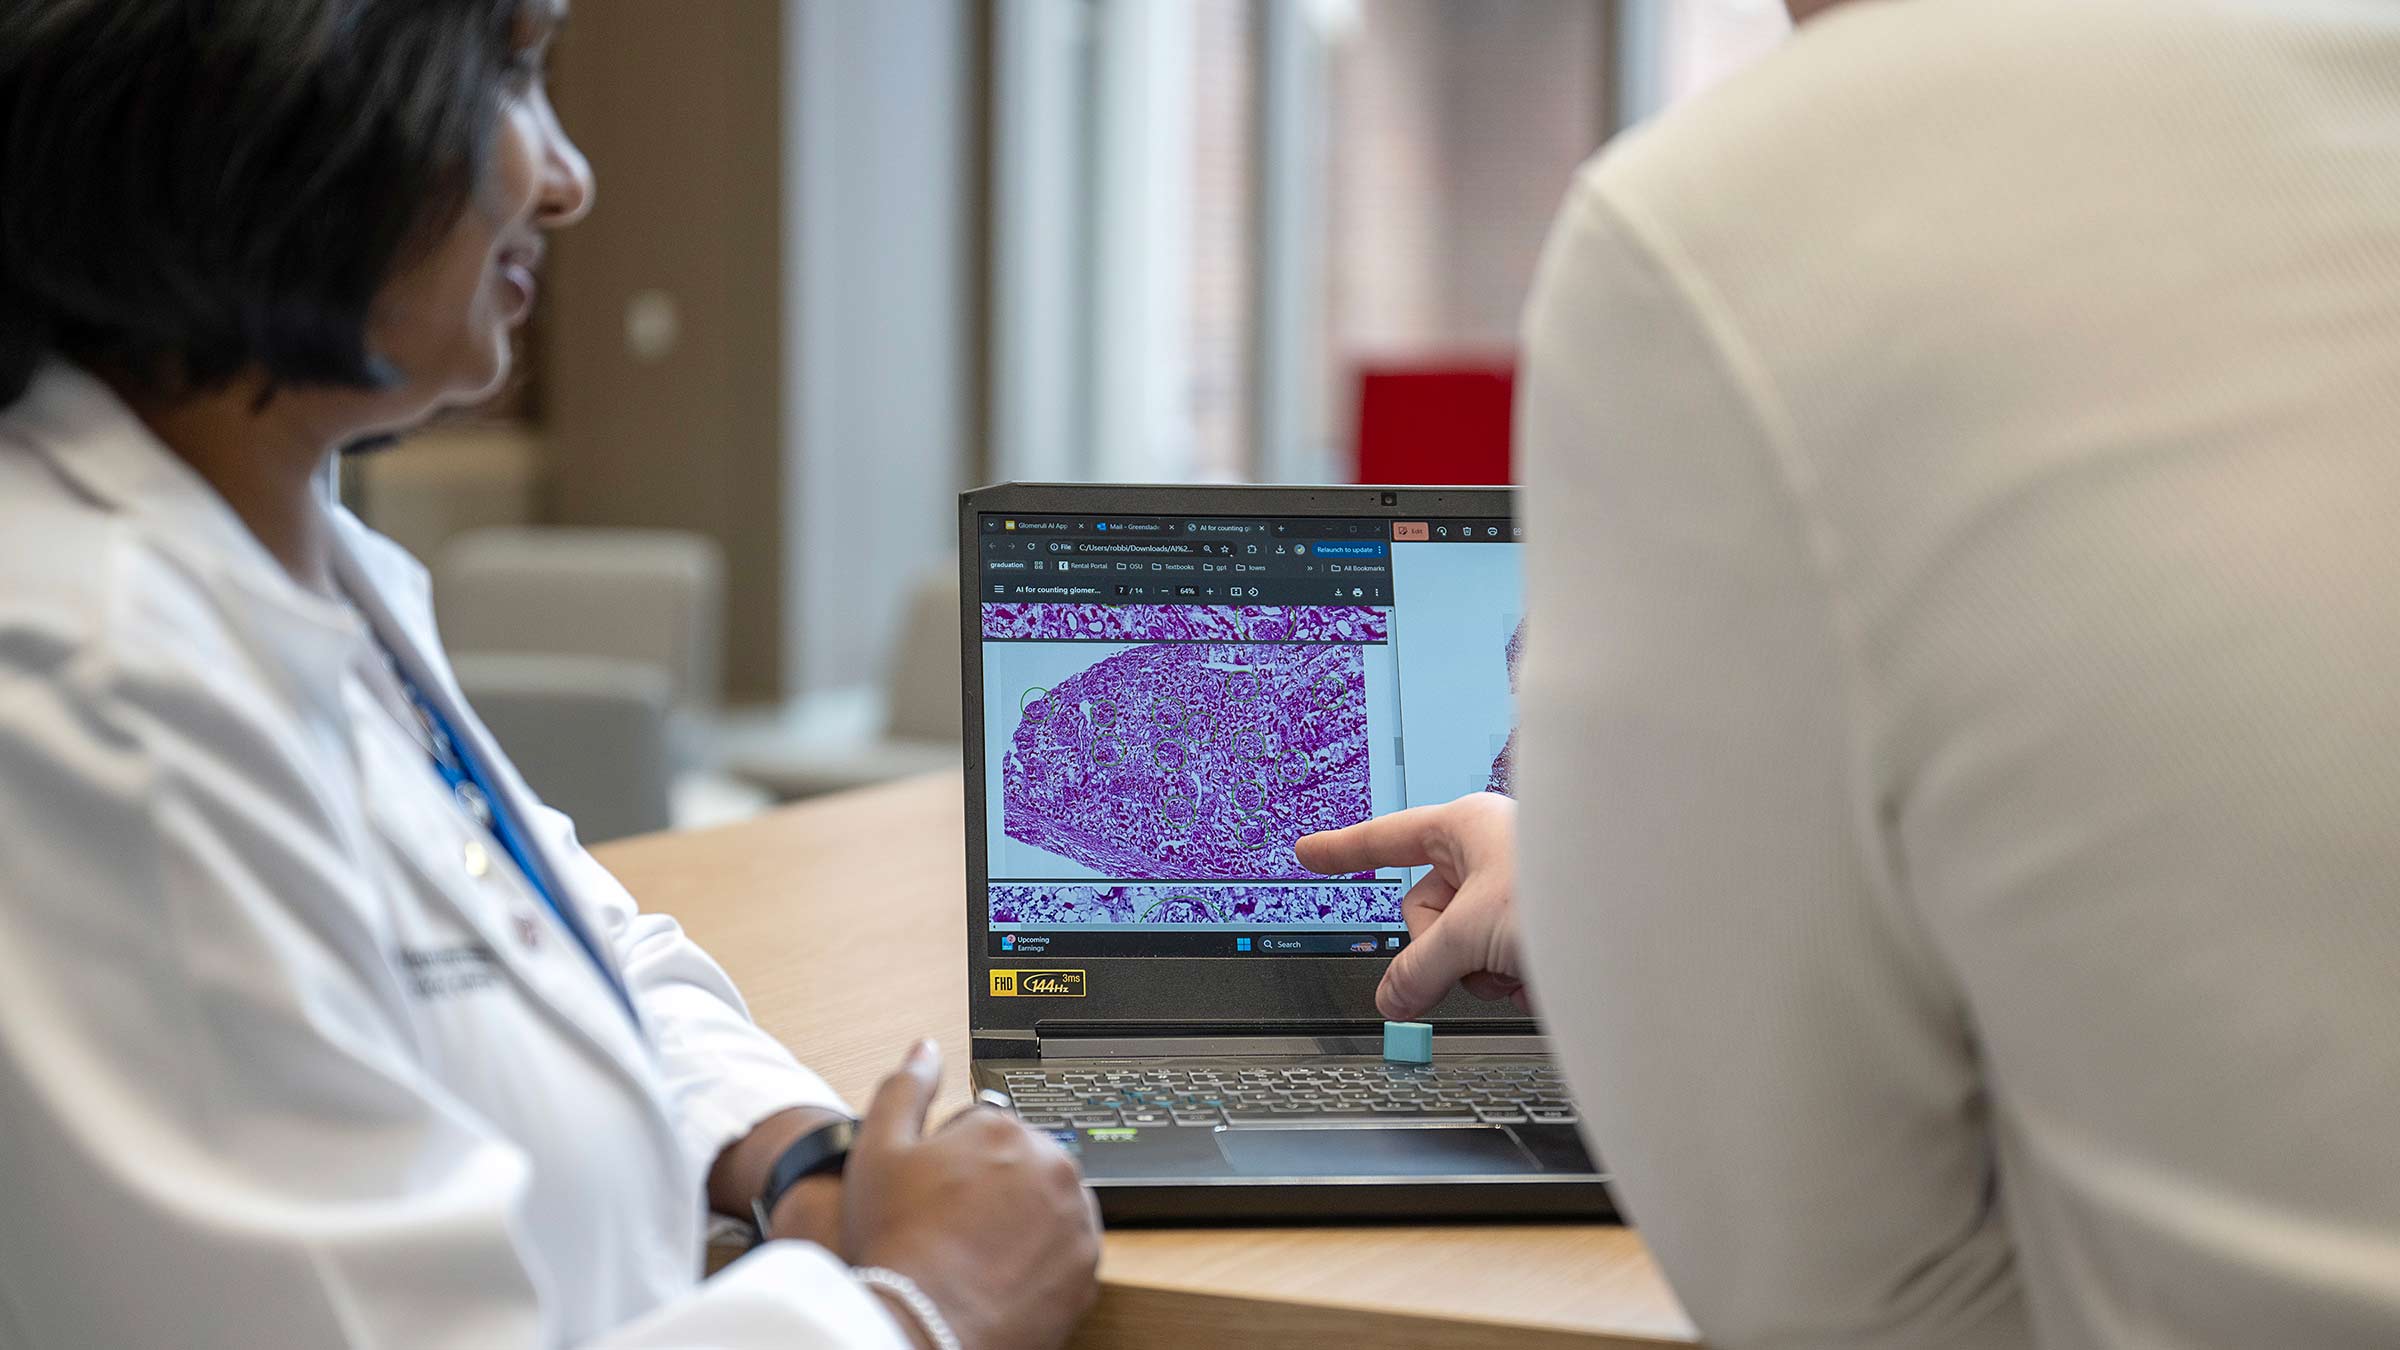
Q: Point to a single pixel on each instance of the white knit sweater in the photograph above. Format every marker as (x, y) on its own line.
(1961, 766)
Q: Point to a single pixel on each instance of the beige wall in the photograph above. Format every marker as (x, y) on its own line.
(793, 182)
(679, 107)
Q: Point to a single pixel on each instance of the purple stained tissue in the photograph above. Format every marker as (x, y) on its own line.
(1188, 623)
(1192, 760)
(1504, 768)
(1018, 902)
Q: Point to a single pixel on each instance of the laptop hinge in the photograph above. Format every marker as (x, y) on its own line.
(1010, 1044)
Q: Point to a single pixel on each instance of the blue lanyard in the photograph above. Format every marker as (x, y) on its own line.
(473, 787)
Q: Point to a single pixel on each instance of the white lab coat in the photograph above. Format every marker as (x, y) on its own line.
(276, 1069)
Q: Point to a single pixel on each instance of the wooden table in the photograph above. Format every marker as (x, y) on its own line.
(858, 901)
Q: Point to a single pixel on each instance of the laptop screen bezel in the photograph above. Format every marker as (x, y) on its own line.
(1213, 991)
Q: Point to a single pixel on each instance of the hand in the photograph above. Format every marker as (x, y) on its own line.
(989, 1218)
(1462, 918)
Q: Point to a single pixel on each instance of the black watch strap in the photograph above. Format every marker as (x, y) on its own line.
(821, 1150)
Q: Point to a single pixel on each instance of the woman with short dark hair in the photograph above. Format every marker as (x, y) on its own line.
(316, 1027)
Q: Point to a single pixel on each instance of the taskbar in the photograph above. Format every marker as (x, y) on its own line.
(1060, 943)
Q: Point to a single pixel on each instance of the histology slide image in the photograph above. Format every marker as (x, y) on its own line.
(1185, 760)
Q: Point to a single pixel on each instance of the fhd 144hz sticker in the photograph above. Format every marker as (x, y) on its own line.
(1037, 984)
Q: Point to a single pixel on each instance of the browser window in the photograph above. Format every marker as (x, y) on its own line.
(1171, 703)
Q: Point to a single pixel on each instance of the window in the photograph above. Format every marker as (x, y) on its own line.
(1452, 132)
(1211, 215)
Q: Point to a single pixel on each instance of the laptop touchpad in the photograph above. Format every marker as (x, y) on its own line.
(1399, 1151)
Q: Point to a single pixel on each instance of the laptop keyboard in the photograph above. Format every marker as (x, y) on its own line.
(1092, 1098)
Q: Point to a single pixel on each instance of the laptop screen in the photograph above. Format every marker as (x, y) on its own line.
(1169, 703)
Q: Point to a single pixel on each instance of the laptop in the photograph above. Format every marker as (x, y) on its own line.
(1165, 688)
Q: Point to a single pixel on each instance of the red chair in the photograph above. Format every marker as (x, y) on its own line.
(1435, 424)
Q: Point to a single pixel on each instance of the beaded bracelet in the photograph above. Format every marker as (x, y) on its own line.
(899, 1286)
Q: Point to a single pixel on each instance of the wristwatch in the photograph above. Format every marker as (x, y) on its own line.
(821, 1150)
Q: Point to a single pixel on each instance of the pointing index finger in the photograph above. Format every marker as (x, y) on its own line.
(1402, 839)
